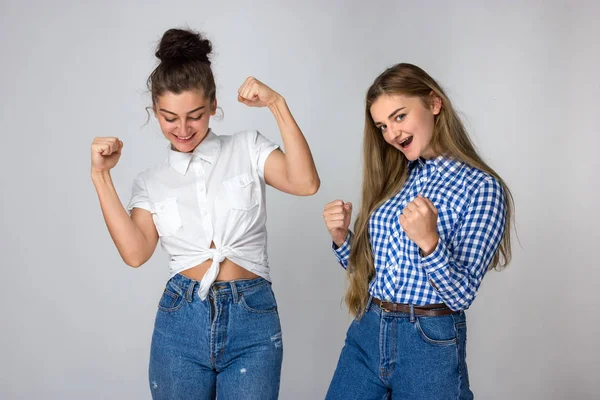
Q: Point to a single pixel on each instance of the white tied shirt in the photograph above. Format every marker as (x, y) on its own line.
(214, 194)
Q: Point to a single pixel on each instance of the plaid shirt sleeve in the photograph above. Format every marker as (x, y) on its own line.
(456, 269)
(342, 253)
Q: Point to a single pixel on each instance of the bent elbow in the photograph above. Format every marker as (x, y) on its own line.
(134, 262)
(461, 304)
(312, 188)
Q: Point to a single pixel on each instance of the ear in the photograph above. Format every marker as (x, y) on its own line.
(213, 107)
(154, 111)
(436, 103)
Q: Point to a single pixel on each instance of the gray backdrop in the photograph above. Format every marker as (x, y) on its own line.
(77, 321)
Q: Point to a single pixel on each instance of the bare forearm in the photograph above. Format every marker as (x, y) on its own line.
(299, 163)
(131, 243)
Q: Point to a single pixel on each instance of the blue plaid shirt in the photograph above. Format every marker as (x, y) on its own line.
(471, 216)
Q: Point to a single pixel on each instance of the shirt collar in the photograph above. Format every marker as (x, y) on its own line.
(442, 164)
(207, 150)
(422, 162)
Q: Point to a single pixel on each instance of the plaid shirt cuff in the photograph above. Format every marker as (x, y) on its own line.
(342, 253)
(437, 260)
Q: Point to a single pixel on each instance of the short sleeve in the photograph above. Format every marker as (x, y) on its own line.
(260, 148)
(139, 195)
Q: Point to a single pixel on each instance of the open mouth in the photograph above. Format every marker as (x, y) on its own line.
(184, 139)
(406, 142)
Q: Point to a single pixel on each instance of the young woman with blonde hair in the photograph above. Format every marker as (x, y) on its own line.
(434, 217)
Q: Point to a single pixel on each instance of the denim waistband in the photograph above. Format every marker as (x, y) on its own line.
(458, 316)
(219, 288)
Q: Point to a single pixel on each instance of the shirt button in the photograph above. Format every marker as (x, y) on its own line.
(201, 190)
(204, 212)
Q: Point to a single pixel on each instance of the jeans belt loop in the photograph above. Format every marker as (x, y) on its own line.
(234, 292)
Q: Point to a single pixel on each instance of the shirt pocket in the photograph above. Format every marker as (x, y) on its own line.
(240, 192)
(166, 216)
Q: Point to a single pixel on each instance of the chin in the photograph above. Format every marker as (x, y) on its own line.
(410, 156)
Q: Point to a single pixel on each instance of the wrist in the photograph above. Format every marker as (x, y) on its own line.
(277, 102)
(428, 246)
(100, 176)
(340, 240)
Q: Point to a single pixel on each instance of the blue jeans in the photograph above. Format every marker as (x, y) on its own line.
(393, 355)
(227, 346)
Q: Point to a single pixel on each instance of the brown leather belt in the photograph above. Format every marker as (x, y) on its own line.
(432, 310)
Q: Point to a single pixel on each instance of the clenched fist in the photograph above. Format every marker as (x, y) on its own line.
(254, 93)
(337, 216)
(419, 221)
(106, 152)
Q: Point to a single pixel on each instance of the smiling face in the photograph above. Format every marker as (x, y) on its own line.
(406, 123)
(184, 118)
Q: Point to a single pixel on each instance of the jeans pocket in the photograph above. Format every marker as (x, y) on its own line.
(437, 331)
(260, 300)
(171, 299)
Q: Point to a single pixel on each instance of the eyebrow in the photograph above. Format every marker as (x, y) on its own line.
(391, 115)
(189, 112)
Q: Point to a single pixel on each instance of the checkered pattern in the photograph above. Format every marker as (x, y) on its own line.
(471, 218)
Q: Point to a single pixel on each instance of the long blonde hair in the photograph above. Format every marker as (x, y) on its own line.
(385, 170)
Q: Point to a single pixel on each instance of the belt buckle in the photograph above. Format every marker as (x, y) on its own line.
(382, 305)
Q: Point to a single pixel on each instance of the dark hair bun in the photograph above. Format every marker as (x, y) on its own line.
(183, 45)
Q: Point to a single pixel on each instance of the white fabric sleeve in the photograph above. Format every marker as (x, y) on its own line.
(139, 195)
(260, 148)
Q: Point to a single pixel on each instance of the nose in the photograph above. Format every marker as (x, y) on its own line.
(188, 124)
(183, 126)
(176, 126)
(394, 131)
